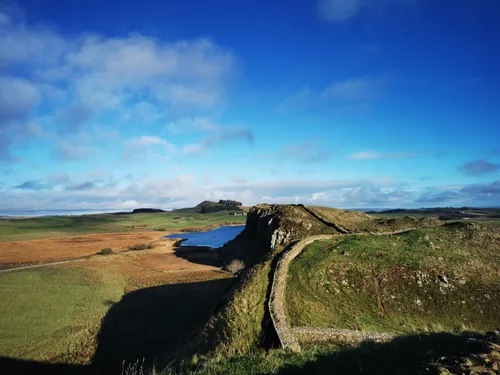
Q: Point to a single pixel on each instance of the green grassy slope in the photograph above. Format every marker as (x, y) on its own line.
(53, 314)
(44, 227)
(433, 279)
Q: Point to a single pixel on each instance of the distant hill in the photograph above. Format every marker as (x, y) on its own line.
(445, 213)
(146, 210)
(222, 205)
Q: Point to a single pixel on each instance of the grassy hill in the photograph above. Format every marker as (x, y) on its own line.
(433, 279)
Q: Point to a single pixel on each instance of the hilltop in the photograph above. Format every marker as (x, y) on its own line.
(210, 207)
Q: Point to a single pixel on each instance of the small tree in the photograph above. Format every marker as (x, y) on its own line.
(235, 266)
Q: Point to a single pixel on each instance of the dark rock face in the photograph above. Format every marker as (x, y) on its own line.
(263, 222)
(278, 225)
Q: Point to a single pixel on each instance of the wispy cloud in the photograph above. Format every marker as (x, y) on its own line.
(71, 150)
(356, 89)
(338, 10)
(86, 185)
(483, 194)
(18, 98)
(33, 185)
(367, 155)
(355, 93)
(478, 168)
(335, 11)
(58, 178)
(217, 135)
(308, 152)
(147, 145)
(145, 141)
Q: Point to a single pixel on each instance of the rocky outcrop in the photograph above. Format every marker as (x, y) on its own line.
(263, 222)
(278, 225)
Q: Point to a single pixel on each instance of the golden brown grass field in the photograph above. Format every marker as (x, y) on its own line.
(71, 247)
(103, 308)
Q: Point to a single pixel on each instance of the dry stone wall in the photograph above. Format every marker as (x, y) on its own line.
(338, 336)
(277, 298)
(288, 336)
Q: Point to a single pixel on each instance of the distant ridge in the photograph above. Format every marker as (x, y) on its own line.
(146, 210)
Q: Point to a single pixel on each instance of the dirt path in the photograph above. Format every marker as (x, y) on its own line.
(41, 265)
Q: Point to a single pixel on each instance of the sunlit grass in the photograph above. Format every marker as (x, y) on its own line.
(46, 227)
(392, 283)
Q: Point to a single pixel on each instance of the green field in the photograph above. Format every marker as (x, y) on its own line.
(105, 310)
(53, 314)
(433, 279)
(45, 227)
(90, 315)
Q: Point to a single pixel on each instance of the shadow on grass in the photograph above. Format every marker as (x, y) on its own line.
(416, 354)
(197, 254)
(13, 366)
(145, 324)
(149, 322)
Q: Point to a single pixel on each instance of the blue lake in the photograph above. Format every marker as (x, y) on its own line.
(213, 238)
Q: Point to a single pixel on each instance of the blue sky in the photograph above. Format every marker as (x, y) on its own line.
(345, 103)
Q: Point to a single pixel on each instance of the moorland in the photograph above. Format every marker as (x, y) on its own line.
(316, 290)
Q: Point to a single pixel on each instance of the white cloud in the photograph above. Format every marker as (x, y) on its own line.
(187, 190)
(18, 98)
(85, 76)
(21, 43)
(367, 155)
(146, 141)
(184, 74)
